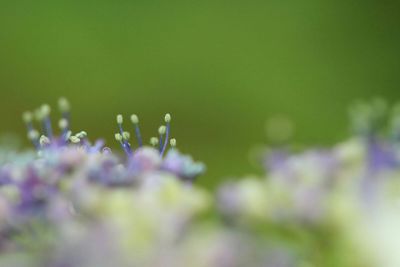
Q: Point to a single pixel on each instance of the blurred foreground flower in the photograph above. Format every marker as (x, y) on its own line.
(89, 206)
(336, 206)
(77, 203)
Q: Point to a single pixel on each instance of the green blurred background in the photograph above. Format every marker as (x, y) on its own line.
(220, 67)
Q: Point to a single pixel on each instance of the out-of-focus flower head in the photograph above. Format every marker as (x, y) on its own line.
(68, 150)
(75, 203)
(157, 157)
(341, 195)
(45, 139)
(71, 185)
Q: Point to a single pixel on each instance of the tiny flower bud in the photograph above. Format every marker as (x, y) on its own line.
(63, 124)
(153, 141)
(38, 115)
(33, 135)
(81, 134)
(120, 119)
(162, 130)
(126, 136)
(173, 142)
(27, 117)
(167, 117)
(45, 109)
(118, 137)
(44, 140)
(74, 139)
(63, 105)
(134, 119)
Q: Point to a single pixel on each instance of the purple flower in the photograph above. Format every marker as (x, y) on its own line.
(145, 159)
(182, 165)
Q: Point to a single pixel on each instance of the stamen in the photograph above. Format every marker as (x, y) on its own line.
(83, 139)
(44, 141)
(124, 143)
(82, 135)
(27, 117)
(33, 135)
(126, 136)
(135, 121)
(63, 124)
(118, 137)
(45, 116)
(75, 139)
(64, 107)
(167, 121)
(67, 136)
(120, 120)
(167, 118)
(154, 141)
(161, 132)
(64, 127)
(38, 115)
(172, 142)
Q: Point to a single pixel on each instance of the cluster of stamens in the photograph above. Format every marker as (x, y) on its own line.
(46, 138)
(161, 142)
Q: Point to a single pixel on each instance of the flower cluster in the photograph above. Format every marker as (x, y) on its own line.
(77, 203)
(329, 201)
(72, 186)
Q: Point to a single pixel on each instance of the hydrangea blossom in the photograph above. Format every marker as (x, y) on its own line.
(329, 200)
(77, 203)
(74, 185)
